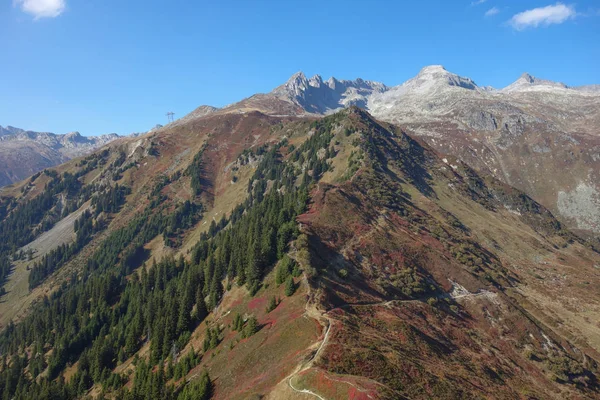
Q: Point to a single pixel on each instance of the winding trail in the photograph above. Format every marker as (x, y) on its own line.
(327, 322)
(311, 310)
(314, 313)
(304, 390)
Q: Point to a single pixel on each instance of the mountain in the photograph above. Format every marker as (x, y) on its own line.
(319, 97)
(301, 96)
(244, 255)
(537, 135)
(23, 153)
(528, 82)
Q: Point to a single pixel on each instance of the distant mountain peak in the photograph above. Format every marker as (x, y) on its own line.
(432, 68)
(41, 150)
(434, 78)
(527, 81)
(527, 77)
(321, 97)
(73, 135)
(297, 76)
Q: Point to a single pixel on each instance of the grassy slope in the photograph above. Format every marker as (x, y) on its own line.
(417, 350)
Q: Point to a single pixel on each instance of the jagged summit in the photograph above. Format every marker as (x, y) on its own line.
(315, 81)
(432, 92)
(322, 97)
(297, 83)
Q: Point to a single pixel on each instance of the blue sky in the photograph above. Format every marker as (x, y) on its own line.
(100, 66)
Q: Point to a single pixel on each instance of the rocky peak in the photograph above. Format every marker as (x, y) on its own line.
(437, 75)
(527, 78)
(321, 97)
(297, 83)
(527, 81)
(73, 137)
(316, 81)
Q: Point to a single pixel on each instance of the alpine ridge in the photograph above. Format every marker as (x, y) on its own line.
(294, 244)
(548, 126)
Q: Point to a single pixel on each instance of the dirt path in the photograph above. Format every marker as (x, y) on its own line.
(311, 311)
(304, 390)
(459, 292)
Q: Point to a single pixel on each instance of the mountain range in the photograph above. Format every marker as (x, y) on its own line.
(537, 135)
(329, 239)
(23, 153)
(522, 134)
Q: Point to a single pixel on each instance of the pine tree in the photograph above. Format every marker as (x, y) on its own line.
(187, 303)
(272, 304)
(290, 286)
(216, 292)
(253, 267)
(197, 390)
(283, 269)
(201, 310)
(238, 322)
(251, 327)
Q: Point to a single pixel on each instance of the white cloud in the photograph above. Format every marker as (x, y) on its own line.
(492, 11)
(42, 8)
(556, 14)
(477, 2)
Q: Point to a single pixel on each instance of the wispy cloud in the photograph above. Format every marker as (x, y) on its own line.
(477, 2)
(42, 8)
(553, 14)
(492, 11)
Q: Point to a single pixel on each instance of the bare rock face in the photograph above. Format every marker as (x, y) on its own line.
(319, 97)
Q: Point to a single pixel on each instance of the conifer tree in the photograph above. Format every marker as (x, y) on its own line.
(272, 304)
(250, 328)
(201, 309)
(290, 286)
